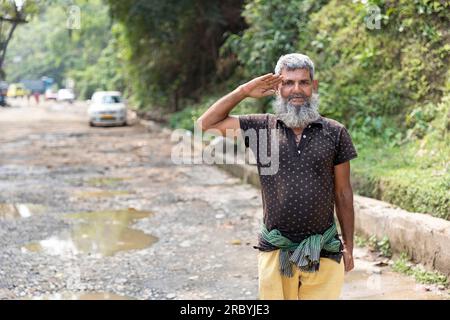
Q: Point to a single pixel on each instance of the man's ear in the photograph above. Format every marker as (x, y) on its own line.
(315, 85)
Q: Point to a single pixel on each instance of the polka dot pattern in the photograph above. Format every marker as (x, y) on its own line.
(298, 199)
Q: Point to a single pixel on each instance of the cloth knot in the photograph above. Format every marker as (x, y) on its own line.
(306, 254)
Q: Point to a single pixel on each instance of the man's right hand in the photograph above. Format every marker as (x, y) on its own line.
(217, 116)
(262, 86)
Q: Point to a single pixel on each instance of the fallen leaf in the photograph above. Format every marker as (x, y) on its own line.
(236, 242)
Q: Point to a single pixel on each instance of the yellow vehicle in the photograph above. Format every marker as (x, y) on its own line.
(16, 90)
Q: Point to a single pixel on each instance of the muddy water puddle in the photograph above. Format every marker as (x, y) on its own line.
(20, 210)
(365, 285)
(106, 181)
(100, 193)
(99, 234)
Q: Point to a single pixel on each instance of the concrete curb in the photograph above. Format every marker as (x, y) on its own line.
(426, 239)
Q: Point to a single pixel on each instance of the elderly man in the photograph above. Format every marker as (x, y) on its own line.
(301, 255)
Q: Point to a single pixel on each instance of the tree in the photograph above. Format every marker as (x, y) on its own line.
(12, 14)
(275, 28)
(173, 45)
(87, 52)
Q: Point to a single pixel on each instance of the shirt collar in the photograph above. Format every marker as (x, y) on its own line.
(318, 122)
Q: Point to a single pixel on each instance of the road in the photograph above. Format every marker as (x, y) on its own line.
(103, 213)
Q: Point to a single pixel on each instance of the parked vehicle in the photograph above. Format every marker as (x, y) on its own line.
(3, 92)
(50, 94)
(107, 108)
(16, 90)
(2, 101)
(65, 95)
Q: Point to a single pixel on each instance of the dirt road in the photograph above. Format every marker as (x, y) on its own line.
(104, 213)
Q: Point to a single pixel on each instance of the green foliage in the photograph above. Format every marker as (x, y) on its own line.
(403, 265)
(105, 74)
(383, 245)
(372, 242)
(410, 172)
(387, 71)
(36, 48)
(412, 188)
(46, 47)
(360, 241)
(14, 14)
(272, 30)
(275, 28)
(173, 46)
(185, 119)
(389, 86)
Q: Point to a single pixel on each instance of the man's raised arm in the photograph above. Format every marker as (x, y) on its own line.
(217, 116)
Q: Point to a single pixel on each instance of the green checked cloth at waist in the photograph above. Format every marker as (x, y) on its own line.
(306, 254)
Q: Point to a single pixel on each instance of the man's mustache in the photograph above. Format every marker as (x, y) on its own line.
(299, 95)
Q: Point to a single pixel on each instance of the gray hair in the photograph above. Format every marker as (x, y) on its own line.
(297, 117)
(294, 61)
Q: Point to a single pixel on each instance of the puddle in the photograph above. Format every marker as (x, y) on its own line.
(20, 210)
(362, 284)
(99, 234)
(81, 296)
(100, 193)
(104, 181)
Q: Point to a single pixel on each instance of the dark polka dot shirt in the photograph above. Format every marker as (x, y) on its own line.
(298, 193)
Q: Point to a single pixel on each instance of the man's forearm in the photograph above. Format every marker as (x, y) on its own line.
(221, 108)
(346, 215)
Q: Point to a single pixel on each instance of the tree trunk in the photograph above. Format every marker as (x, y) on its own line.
(4, 45)
(175, 101)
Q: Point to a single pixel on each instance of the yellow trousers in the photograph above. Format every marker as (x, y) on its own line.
(324, 284)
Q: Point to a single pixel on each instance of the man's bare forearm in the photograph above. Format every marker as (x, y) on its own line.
(221, 108)
(346, 215)
(262, 86)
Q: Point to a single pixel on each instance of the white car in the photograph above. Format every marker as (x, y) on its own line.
(50, 94)
(107, 108)
(65, 95)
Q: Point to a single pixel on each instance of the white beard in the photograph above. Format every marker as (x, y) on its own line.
(297, 116)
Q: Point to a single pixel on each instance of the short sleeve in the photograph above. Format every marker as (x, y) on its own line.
(345, 150)
(250, 124)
